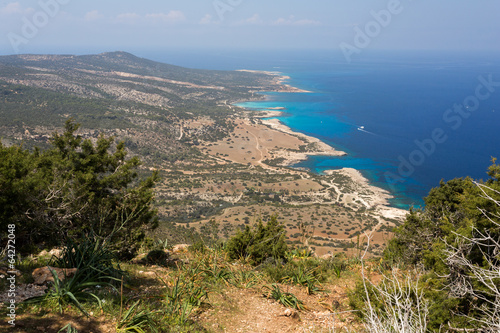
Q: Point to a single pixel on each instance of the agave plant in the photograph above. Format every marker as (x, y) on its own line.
(71, 291)
(182, 298)
(306, 278)
(137, 321)
(91, 257)
(95, 268)
(285, 298)
(244, 279)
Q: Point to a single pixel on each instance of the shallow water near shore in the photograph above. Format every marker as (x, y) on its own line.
(384, 109)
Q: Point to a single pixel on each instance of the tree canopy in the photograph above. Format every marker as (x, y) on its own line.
(456, 213)
(76, 189)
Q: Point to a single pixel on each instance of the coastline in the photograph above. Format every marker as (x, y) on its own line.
(342, 205)
(360, 189)
(275, 147)
(370, 196)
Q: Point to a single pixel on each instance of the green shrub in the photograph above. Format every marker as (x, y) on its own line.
(285, 298)
(68, 329)
(298, 273)
(259, 243)
(74, 189)
(182, 298)
(454, 214)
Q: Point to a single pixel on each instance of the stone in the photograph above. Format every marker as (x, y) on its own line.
(43, 275)
(290, 313)
(179, 248)
(56, 252)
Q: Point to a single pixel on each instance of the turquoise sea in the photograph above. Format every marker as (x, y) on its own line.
(406, 120)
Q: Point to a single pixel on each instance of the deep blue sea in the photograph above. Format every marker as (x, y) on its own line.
(406, 120)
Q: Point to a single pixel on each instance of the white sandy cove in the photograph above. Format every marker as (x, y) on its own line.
(371, 196)
(322, 148)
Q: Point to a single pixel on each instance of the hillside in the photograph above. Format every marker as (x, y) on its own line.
(135, 197)
(216, 161)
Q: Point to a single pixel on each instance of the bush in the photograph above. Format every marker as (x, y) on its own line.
(74, 189)
(260, 243)
(157, 257)
(452, 238)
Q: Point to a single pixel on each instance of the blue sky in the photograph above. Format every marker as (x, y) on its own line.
(92, 26)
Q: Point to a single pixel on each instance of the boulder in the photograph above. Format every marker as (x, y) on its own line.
(43, 275)
(326, 256)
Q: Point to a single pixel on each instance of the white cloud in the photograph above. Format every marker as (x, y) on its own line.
(93, 15)
(207, 19)
(255, 19)
(128, 17)
(292, 21)
(11, 8)
(172, 16)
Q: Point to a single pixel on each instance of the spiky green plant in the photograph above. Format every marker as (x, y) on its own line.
(182, 298)
(137, 321)
(68, 329)
(285, 298)
(244, 279)
(89, 257)
(73, 290)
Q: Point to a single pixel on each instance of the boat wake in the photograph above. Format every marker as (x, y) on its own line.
(362, 129)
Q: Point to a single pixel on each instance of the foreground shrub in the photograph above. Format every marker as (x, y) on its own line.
(455, 239)
(75, 188)
(135, 320)
(259, 243)
(396, 305)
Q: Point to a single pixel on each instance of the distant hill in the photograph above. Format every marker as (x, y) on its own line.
(118, 91)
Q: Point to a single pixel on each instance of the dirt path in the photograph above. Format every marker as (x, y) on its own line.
(255, 314)
(181, 134)
(251, 312)
(257, 147)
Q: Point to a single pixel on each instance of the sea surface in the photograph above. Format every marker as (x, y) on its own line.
(406, 120)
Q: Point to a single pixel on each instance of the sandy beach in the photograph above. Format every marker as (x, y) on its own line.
(316, 146)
